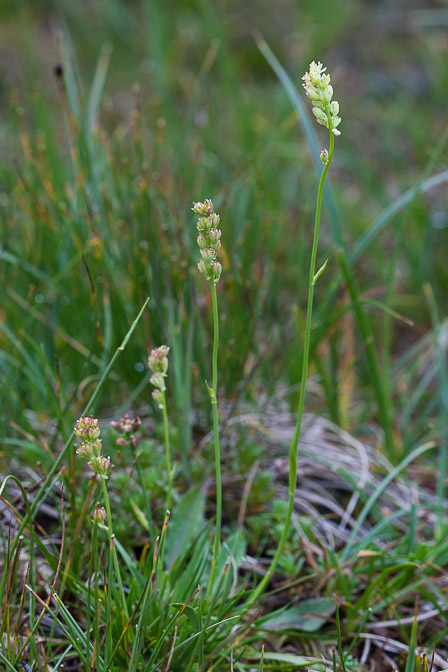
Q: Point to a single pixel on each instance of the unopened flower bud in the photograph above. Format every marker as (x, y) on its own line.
(215, 236)
(324, 156)
(158, 381)
(99, 514)
(334, 107)
(207, 207)
(327, 94)
(198, 208)
(158, 359)
(100, 465)
(126, 424)
(85, 451)
(158, 398)
(321, 116)
(202, 243)
(87, 429)
(217, 270)
(208, 254)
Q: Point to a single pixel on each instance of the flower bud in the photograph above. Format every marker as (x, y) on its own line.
(202, 243)
(87, 429)
(99, 514)
(85, 451)
(324, 156)
(320, 115)
(100, 465)
(158, 381)
(198, 208)
(158, 398)
(204, 225)
(216, 271)
(208, 255)
(334, 107)
(327, 94)
(207, 207)
(214, 236)
(158, 359)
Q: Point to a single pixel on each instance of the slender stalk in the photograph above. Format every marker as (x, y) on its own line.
(294, 446)
(113, 552)
(89, 592)
(167, 451)
(213, 396)
(108, 592)
(96, 631)
(147, 503)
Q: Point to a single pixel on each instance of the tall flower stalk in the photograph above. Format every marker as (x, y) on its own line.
(319, 90)
(158, 364)
(209, 242)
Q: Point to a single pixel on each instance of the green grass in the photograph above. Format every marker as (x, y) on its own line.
(157, 108)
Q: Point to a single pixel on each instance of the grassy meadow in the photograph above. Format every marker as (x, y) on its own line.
(115, 116)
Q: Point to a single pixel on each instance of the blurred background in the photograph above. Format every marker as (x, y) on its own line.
(115, 115)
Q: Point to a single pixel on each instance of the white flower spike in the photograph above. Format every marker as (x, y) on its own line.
(319, 90)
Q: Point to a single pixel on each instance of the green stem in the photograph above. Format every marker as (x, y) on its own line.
(167, 451)
(96, 630)
(147, 502)
(294, 446)
(213, 396)
(108, 592)
(113, 552)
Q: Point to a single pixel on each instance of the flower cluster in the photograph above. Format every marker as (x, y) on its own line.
(158, 364)
(209, 240)
(90, 445)
(99, 514)
(128, 428)
(319, 90)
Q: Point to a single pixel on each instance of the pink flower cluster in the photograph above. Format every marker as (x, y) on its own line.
(90, 445)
